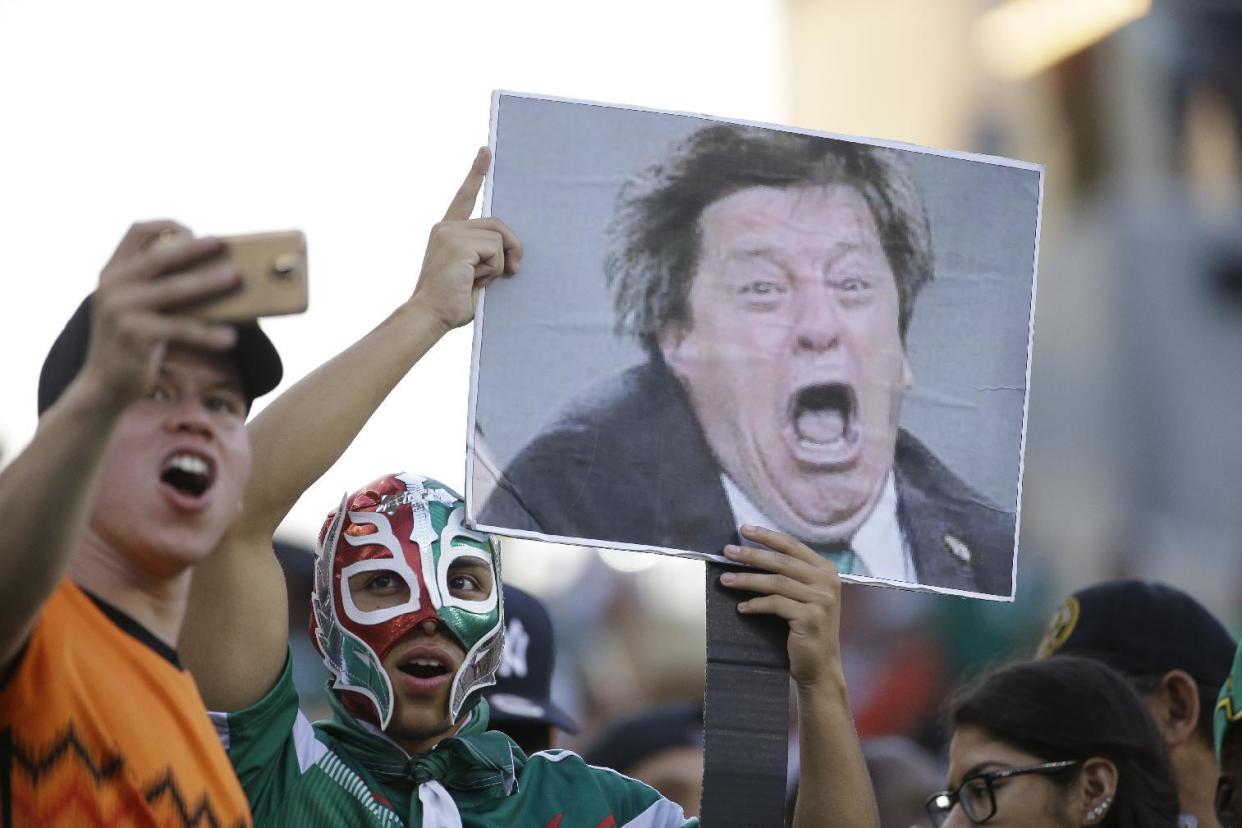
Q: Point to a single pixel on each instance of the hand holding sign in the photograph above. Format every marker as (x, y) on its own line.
(799, 586)
(464, 255)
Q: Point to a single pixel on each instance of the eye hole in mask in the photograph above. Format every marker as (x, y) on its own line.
(379, 589)
(470, 579)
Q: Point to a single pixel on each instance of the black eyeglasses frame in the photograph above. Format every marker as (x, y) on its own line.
(939, 812)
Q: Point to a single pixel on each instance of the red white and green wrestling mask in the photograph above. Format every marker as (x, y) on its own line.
(388, 560)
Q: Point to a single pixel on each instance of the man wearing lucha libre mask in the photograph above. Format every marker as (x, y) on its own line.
(392, 558)
(406, 611)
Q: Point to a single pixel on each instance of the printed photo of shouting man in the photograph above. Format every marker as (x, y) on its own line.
(770, 279)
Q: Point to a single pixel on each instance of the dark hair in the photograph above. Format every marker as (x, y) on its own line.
(1071, 707)
(654, 236)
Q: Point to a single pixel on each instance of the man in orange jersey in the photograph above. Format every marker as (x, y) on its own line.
(135, 472)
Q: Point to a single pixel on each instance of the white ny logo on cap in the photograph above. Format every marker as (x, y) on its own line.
(513, 661)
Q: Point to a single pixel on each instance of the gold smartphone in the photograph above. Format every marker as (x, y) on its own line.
(273, 277)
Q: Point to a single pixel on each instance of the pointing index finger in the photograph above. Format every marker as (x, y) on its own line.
(463, 203)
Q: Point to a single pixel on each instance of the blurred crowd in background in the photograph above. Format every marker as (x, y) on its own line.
(1134, 452)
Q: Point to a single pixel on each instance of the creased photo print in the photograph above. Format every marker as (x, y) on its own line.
(723, 323)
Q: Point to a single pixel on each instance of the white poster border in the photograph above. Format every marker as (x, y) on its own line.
(476, 347)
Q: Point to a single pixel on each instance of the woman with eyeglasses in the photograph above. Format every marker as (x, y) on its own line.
(1052, 744)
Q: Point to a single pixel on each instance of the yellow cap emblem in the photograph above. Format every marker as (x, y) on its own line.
(1059, 628)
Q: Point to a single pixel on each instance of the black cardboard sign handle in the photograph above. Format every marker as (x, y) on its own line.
(746, 713)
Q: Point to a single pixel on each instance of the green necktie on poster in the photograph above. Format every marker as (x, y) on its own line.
(847, 560)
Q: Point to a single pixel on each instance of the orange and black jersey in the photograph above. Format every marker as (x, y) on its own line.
(101, 726)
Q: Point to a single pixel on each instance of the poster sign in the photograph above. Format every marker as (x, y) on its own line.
(721, 323)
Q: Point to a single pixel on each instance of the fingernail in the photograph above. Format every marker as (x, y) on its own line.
(732, 551)
(747, 528)
(744, 606)
(728, 578)
(227, 335)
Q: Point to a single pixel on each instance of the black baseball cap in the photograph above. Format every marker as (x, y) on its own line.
(634, 738)
(254, 354)
(523, 689)
(1140, 628)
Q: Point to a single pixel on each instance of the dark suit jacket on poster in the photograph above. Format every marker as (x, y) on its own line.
(627, 462)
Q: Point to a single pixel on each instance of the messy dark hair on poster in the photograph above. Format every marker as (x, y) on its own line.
(654, 239)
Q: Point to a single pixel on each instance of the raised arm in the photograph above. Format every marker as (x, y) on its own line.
(803, 588)
(47, 491)
(236, 630)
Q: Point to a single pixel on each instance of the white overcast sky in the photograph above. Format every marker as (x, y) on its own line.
(354, 122)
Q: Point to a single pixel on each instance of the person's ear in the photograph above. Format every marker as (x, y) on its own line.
(672, 344)
(1177, 708)
(1098, 787)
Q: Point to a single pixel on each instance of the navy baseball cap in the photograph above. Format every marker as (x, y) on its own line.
(256, 358)
(523, 689)
(1141, 628)
(632, 739)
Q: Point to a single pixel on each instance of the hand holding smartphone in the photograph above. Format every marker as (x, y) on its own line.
(273, 281)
